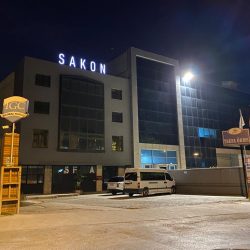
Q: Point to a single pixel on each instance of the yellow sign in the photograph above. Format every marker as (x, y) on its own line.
(15, 108)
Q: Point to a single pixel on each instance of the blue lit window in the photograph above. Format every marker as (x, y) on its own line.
(158, 157)
(146, 157)
(206, 133)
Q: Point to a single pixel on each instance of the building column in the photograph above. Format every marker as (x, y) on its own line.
(99, 178)
(47, 184)
(182, 156)
(121, 171)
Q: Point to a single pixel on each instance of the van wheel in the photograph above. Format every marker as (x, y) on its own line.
(145, 192)
(114, 193)
(173, 190)
(130, 194)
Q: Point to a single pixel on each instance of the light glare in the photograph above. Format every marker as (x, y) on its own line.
(187, 77)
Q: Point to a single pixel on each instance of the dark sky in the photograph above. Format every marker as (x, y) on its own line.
(212, 37)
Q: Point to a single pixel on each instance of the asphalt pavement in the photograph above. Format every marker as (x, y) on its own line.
(103, 221)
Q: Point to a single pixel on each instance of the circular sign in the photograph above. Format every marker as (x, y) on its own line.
(234, 131)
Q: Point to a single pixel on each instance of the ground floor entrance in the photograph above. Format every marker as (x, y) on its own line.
(69, 179)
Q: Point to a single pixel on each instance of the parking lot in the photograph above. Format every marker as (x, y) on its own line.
(103, 221)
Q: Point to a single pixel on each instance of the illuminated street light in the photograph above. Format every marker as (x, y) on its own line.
(188, 76)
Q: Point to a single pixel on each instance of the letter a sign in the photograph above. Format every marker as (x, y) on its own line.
(15, 108)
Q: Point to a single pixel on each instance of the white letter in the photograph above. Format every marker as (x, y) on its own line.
(92, 66)
(61, 58)
(66, 170)
(91, 171)
(74, 169)
(72, 62)
(102, 68)
(82, 64)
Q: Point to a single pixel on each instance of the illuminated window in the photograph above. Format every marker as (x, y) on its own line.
(42, 80)
(117, 143)
(116, 117)
(40, 138)
(116, 94)
(206, 133)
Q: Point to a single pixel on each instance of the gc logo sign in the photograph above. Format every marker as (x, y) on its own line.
(15, 108)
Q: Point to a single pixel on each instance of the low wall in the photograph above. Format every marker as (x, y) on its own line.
(210, 181)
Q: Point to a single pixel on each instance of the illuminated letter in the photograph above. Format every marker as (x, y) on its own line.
(102, 68)
(13, 105)
(82, 64)
(66, 170)
(61, 58)
(72, 62)
(74, 169)
(92, 66)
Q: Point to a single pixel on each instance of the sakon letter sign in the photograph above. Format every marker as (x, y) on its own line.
(81, 63)
(15, 108)
(235, 137)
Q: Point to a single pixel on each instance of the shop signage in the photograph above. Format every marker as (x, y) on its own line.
(74, 169)
(81, 63)
(235, 137)
(15, 108)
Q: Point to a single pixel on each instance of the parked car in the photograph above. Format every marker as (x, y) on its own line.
(147, 181)
(116, 185)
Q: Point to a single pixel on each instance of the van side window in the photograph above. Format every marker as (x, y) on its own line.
(131, 176)
(150, 176)
(168, 177)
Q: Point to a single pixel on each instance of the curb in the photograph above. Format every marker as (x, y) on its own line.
(48, 196)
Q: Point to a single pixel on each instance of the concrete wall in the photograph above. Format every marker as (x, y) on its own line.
(210, 181)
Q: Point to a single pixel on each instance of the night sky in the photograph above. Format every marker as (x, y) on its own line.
(211, 37)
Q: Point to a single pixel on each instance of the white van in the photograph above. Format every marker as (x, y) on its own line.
(147, 181)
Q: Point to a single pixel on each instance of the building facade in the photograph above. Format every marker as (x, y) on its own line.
(86, 126)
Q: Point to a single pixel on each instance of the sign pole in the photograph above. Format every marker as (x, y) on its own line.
(244, 170)
(12, 143)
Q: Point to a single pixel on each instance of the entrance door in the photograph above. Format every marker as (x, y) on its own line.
(88, 182)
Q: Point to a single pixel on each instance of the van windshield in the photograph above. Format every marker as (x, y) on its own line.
(131, 176)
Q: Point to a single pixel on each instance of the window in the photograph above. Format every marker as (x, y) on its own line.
(40, 138)
(131, 176)
(158, 157)
(206, 133)
(42, 80)
(152, 176)
(81, 115)
(116, 94)
(168, 177)
(41, 107)
(117, 143)
(116, 117)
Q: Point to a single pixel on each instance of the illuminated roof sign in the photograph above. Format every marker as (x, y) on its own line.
(81, 63)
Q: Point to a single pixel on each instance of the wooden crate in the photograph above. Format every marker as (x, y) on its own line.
(10, 192)
(6, 150)
(9, 207)
(10, 184)
(11, 175)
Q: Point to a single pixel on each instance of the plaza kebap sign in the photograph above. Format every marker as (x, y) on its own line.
(235, 137)
(15, 108)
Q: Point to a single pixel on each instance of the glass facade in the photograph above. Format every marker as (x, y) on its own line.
(164, 158)
(32, 179)
(81, 120)
(207, 110)
(157, 108)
